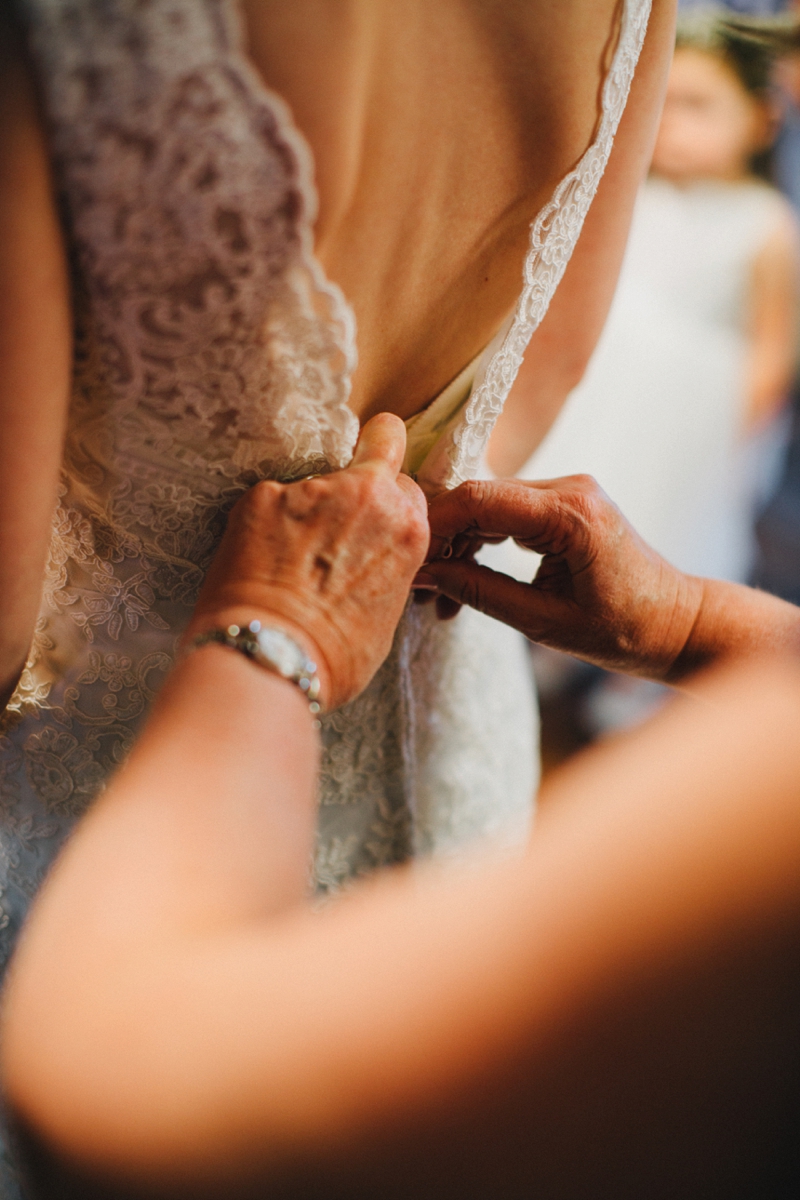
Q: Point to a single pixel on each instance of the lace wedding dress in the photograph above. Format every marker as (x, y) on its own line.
(212, 352)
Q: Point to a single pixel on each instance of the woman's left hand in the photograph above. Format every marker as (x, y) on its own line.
(328, 559)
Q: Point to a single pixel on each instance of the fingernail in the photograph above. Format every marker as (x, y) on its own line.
(424, 583)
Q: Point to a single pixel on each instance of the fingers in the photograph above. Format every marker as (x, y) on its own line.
(552, 517)
(465, 582)
(415, 494)
(446, 608)
(504, 508)
(381, 444)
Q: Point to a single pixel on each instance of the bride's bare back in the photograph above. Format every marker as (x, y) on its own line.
(437, 131)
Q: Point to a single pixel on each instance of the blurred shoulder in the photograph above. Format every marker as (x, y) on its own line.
(767, 201)
(779, 224)
(775, 247)
(756, 215)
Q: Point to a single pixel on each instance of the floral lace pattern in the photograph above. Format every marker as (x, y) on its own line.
(211, 352)
(554, 235)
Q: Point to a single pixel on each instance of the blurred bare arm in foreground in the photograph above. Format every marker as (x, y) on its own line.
(610, 1014)
(600, 593)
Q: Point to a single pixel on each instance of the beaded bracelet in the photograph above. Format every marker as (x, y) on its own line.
(271, 649)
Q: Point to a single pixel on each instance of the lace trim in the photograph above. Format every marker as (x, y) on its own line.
(212, 351)
(340, 312)
(235, 265)
(554, 235)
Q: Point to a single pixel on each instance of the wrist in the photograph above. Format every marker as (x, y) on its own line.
(685, 621)
(246, 686)
(243, 617)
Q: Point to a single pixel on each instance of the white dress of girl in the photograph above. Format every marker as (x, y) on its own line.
(659, 416)
(212, 352)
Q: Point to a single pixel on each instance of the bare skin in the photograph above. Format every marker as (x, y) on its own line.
(35, 361)
(774, 293)
(711, 125)
(465, 98)
(710, 128)
(600, 593)
(610, 1014)
(328, 558)
(435, 144)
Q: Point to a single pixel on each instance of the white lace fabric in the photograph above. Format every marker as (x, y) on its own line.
(212, 352)
(554, 235)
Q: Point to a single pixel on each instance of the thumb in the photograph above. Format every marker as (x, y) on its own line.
(499, 596)
(381, 444)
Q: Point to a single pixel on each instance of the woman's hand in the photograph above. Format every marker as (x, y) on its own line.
(329, 559)
(600, 593)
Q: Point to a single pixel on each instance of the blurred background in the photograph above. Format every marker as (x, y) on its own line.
(689, 414)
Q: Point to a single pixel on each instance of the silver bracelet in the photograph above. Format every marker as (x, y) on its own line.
(271, 649)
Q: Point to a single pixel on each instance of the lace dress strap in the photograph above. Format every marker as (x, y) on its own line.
(425, 429)
(554, 235)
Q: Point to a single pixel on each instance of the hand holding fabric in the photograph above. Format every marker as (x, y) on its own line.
(600, 592)
(329, 559)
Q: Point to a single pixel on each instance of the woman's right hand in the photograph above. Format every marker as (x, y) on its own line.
(330, 560)
(600, 593)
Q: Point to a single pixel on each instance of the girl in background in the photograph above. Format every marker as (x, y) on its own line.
(679, 415)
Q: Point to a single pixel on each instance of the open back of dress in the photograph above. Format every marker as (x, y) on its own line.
(211, 353)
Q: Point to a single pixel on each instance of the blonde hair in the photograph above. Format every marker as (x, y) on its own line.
(748, 45)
